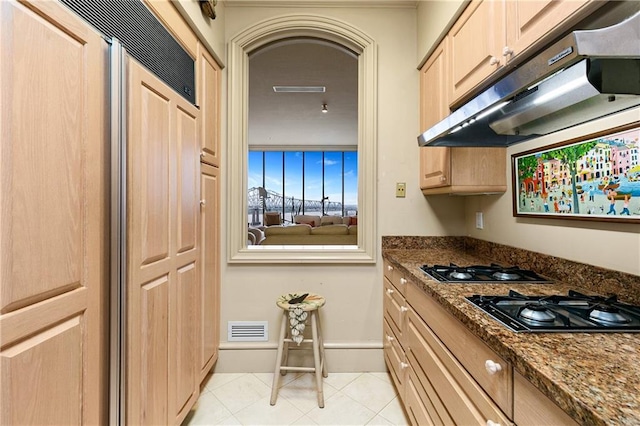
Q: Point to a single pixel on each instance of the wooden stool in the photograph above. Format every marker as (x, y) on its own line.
(294, 318)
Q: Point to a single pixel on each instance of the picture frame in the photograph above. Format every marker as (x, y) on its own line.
(594, 177)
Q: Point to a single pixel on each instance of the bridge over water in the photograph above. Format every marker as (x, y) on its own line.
(260, 200)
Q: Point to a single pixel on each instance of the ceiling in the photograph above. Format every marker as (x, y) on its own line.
(285, 119)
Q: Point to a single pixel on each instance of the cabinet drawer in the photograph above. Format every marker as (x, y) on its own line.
(398, 280)
(466, 401)
(394, 308)
(422, 400)
(533, 408)
(388, 269)
(394, 356)
(468, 349)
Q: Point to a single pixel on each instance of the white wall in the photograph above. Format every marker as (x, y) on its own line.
(609, 245)
(435, 17)
(353, 314)
(211, 31)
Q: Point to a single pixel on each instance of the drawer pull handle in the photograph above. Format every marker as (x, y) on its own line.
(492, 367)
(389, 291)
(403, 309)
(492, 423)
(389, 268)
(403, 365)
(403, 281)
(507, 51)
(494, 61)
(203, 154)
(390, 338)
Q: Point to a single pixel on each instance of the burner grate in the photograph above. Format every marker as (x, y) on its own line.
(574, 312)
(492, 273)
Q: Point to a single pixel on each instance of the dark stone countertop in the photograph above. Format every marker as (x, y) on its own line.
(594, 377)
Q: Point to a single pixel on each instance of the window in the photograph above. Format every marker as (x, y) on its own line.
(318, 183)
(241, 46)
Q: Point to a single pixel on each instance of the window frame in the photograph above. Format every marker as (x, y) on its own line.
(240, 47)
(304, 150)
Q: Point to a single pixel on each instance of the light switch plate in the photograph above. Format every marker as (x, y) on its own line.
(401, 189)
(479, 220)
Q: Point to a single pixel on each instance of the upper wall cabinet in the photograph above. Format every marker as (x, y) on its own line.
(493, 33)
(209, 102)
(531, 21)
(434, 106)
(476, 40)
(445, 170)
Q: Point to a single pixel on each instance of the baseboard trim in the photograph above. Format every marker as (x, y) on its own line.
(241, 346)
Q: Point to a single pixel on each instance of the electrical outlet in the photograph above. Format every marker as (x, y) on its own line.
(479, 220)
(401, 189)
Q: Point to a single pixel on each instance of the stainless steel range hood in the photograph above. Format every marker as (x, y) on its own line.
(586, 75)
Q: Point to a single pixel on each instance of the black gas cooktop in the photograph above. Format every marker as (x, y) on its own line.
(485, 274)
(574, 312)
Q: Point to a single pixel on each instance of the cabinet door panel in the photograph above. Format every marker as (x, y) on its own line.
(435, 87)
(476, 37)
(42, 377)
(188, 202)
(162, 199)
(532, 407)
(529, 21)
(53, 225)
(209, 78)
(435, 167)
(151, 173)
(152, 385)
(209, 292)
(183, 365)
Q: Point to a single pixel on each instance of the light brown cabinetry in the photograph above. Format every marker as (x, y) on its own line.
(469, 351)
(533, 408)
(54, 223)
(434, 107)
(437, 365)
(528, 22)
(491, 34)
(163, 194)
(445, 170)
(394, 306)
(463, 170)
(476, 41)
(209, 86)
(209, 294)
(444, 374)
(209, 74)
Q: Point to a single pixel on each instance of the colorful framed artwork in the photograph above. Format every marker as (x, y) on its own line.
(595, 177)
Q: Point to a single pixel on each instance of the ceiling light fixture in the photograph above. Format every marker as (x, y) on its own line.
(299, 89)
(324, 108)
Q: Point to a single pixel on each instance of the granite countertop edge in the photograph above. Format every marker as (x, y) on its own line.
(542, 358)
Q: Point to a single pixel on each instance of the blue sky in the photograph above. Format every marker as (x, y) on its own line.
(333, 169)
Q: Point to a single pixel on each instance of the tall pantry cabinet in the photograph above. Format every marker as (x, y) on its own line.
(163, 255)
(173, 186)
(55, 181)
(209, 84)
(53, 217)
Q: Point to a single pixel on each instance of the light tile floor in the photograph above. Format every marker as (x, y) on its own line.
(350, 399)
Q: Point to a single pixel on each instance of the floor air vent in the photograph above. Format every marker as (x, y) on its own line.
(247, 331)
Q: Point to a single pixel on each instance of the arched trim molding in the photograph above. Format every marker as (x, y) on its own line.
(240, 47)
